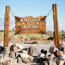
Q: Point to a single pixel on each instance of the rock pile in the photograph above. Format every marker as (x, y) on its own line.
(55, 56)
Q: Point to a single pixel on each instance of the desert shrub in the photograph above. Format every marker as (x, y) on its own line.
(25, 39)
(42, 32)
(20, 37)
(1, 30)
(62, 35)
(32, 38)
(50, 38)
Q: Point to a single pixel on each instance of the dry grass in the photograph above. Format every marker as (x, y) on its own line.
(23, 37)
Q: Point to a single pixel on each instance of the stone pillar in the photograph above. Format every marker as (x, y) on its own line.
(56, 31)
(6, 26)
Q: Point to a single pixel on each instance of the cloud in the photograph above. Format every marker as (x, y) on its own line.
(1, 28)
(12, 26)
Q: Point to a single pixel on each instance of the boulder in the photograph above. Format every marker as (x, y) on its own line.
(25, 57)
(33, 51)
(51, 49)
(25, 60)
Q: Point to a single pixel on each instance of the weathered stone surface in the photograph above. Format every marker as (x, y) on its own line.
(33, 51)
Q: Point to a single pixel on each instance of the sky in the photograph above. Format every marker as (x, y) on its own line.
(33, 8)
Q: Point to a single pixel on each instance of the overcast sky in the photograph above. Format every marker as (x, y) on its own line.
(33, 8)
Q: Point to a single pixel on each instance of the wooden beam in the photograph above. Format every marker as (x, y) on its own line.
(56, 31)
(6, 26)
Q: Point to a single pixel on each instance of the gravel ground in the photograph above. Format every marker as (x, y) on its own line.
(39, 46)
